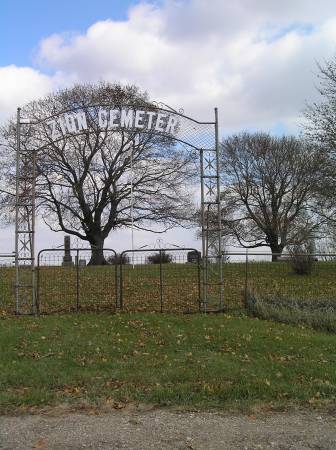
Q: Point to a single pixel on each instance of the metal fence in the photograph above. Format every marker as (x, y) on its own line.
(161, 280)
(72, 284)
(144, 280)
(255, 273)
(7, 283)
(139, 280)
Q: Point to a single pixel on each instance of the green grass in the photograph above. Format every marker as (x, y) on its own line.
(196, 361)
(270, 278)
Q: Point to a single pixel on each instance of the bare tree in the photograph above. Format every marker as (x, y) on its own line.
(267, 187)
(320, 127)
(87, 178)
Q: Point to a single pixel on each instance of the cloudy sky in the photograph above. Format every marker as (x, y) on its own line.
(254, 59)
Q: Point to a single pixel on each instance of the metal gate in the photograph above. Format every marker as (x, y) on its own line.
(70, 284)
(7, 283)
(152, 280)
(160, 280)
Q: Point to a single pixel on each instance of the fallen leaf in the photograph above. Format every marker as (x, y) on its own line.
(41, 443)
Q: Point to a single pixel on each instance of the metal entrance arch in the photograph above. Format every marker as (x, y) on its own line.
(161, 120)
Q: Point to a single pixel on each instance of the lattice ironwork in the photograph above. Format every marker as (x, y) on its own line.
(211, 224)
(25, 226)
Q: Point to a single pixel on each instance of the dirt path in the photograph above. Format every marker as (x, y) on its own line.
(160, 429)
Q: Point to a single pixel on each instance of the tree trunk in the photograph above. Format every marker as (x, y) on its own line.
(97, 252)
(276, 251)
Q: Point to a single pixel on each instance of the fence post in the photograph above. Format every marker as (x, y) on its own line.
(246, 275)
(161, 285)
(199, 262)
(38, 285)
(77, 280)
(116, 278)
(121, 280)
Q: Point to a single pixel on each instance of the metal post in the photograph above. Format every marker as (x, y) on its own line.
(246, 275)
(219, 213)
(116, 265)
(132, 207)
(161, 281)
(77, 279)
(25, 279)
(204, 256)
(38, 285)
(121, 281)
(32, 248)
(199, 280)
(18, 145)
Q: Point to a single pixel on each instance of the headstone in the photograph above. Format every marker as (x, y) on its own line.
(67, 258)
(193, 257)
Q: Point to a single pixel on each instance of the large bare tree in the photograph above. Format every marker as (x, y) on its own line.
(87, 178)
(320, 128)
(267, 188)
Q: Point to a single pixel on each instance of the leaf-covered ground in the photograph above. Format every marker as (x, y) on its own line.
(63, 289)
(222, 361)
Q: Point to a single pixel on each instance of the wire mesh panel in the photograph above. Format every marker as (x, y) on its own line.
(305, 277)
(229, 291)
(140, 283)
(56, 282)
(235, 279)
(181, 282)
(298, 278)
(70, 283)
(160, 280)
(7, 284)
(97, 287)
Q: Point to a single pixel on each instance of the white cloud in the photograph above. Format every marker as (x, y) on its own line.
(254, 60)
(19, 85)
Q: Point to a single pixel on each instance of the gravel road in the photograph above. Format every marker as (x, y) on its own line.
(161, 429)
